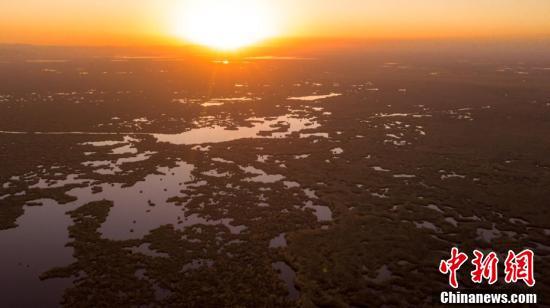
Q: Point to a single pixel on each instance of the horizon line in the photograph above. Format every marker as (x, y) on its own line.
(287, 39)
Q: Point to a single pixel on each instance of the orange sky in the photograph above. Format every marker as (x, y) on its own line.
(122, 22)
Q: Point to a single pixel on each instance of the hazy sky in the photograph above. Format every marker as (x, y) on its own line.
(141, 21)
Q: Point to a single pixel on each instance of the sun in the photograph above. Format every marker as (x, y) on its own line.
(225, 24)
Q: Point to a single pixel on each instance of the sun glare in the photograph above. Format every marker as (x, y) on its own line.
(225, 24)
